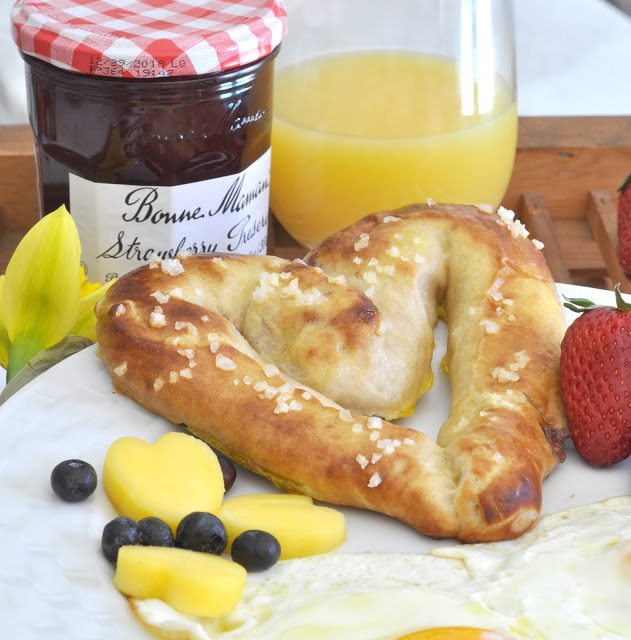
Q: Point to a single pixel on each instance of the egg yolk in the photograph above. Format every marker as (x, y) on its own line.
(453, 633)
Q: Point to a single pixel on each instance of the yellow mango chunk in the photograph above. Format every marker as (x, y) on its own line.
(194, 583)
(169, 479)
(301, 528)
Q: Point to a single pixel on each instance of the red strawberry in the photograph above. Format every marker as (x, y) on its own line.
(624, 225)
(596, 380)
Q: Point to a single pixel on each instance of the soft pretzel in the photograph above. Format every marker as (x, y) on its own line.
(289, 367)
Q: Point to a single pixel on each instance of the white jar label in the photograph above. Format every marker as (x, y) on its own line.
(124, 226)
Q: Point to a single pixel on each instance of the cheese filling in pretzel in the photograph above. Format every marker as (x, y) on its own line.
(293, 368)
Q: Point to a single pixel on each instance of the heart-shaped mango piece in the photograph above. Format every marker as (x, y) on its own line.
(194, 583)
(301, 528)
(175, 476)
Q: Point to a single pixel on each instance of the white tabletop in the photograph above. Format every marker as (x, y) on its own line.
(573, 58)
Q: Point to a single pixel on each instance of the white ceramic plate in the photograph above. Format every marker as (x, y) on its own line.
(54, 582)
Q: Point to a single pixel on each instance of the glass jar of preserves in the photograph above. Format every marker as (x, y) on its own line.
(152, 125)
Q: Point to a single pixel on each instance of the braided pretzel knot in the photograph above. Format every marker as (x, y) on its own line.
(285, 366)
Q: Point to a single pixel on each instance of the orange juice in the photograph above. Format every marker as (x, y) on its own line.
(361, 132)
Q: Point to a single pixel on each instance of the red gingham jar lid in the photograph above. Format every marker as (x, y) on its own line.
(148, 38)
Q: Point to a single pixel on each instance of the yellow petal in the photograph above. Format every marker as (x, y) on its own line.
(4, 338)
(87, 287)
(41, 288)
(86, 319)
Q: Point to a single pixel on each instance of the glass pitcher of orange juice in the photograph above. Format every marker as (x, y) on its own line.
(381, 103)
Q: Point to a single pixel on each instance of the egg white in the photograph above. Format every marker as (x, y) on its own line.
(337, 597)
(569, 577)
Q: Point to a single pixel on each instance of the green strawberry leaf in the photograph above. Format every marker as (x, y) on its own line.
(620, 303)
(580, 305)
(625, 183)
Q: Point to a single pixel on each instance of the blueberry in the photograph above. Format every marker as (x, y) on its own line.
(73, 480)
(229, 471)
(116, 534)
(201, 531)
(154, 532)
(255, 550)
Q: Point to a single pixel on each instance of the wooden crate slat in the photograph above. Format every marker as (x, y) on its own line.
(601, 215)
(534, 214)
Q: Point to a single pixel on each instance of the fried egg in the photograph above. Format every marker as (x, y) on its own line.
(569, 577)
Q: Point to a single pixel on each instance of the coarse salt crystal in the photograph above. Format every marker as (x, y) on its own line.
(158, 383)
(408, 441)
(375, 458)
(157, 319)
(186, 373)
(173, 376)
(346, 415)
(307, 395)
(362, 243)
(375, 481)
(121, 370)
(357, 427)
(370, 292)
(504, 375)
(357, 260)
(490, 327)
(177, 292)
(374, 435)
(160, 297)
(387, 219)
(538, 244)
(271, 370)
(224, 363)
(374, 422)
(189, 354)
(521, 359)
(393, 252)
(120, 310)
(370, 277)
(361, 460)
(486, 208)
(172, 267)
(431, 202)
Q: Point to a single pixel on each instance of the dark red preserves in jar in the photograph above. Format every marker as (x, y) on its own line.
(152, 125)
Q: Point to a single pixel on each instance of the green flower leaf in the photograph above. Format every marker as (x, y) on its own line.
(42, 361)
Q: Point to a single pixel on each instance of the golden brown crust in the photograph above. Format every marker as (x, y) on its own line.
(354, 330)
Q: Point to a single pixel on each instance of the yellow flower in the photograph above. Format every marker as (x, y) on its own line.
(44, 295)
